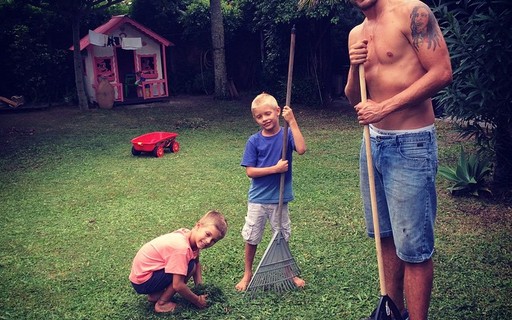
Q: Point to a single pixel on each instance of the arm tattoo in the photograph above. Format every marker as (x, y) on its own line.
(423, 29)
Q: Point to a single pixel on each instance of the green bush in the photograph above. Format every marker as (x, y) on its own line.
(304, 91)
(469, 174)
(203, 83)
(479, 40)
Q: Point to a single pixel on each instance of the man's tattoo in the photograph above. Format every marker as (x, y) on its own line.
(423, 23)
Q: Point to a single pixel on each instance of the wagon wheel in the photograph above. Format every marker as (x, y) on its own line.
(135, 152)
(158, 151)
(168, 144)
(175, 147)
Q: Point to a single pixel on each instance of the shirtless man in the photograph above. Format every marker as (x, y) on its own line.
(406, 62)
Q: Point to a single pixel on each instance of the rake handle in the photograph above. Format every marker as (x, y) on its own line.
(285, 130)
(371, 181)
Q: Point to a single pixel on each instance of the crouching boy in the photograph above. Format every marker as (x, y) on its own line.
(163, 266)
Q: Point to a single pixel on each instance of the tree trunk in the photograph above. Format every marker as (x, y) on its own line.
(219, 57)
(321, 60)
(503, 171)
(77, 62)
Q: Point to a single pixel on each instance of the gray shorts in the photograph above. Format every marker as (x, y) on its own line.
(257, 216)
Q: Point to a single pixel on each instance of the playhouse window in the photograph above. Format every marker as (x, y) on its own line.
(147, 65)
(104, 68)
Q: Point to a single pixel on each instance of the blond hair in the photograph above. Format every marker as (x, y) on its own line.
(214, 217)
(264, 99)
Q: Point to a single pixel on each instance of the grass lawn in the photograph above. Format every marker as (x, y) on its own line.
(76, 207)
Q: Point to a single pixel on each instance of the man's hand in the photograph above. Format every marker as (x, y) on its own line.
(358, 52)
(369, 112)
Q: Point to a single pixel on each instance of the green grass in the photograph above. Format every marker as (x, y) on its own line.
(76, 207)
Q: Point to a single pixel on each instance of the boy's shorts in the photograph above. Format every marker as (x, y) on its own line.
(405, 168)
(160, 280)
(257, 216)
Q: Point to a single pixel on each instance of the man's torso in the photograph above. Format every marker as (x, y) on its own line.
(392, 66)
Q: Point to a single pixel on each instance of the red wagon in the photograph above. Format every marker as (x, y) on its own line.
(155, 142)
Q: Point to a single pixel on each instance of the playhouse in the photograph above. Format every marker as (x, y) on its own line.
(131, 57)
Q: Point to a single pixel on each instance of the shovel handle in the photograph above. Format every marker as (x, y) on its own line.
(371, 181)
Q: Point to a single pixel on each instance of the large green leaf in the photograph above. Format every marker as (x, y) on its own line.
(469, 174)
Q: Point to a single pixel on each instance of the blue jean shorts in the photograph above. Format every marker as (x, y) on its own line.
(405, 168)
(160, 280)
(256, 219)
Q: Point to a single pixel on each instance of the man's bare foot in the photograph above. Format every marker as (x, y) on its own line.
(162, 306)
(153, 297)
(300, 283)
(244, 283)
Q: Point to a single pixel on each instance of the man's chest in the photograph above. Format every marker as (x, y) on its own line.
(387, 43)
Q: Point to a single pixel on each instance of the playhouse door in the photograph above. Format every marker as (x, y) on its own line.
(126, 65)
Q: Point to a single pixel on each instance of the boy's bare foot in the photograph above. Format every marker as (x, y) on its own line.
(162, 306)
(244, 283)
(300, 283)
(153, 297)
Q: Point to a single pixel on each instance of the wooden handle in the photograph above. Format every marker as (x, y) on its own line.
(285, 129)
(371, 181)
(289, 90)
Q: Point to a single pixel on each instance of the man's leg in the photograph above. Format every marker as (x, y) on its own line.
(250, 251)
(418, 287)
(393, 272)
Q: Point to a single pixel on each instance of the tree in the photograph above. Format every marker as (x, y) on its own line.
(320, 47)
(35, 64)
(219, 55)
(478, 36)
(163, 17)
(188, 24)
(75, 11)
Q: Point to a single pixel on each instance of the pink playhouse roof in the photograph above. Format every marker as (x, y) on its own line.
(115, 22)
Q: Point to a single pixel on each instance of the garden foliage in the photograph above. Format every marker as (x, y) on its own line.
(468, 175)
(479, 40)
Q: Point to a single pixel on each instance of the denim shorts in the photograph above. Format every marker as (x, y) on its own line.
(257, 216)
(405, 168)
(160, 280)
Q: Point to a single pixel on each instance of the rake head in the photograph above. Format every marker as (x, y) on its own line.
(276, 269)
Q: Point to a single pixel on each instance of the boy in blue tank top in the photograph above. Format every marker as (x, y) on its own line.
(263, 164)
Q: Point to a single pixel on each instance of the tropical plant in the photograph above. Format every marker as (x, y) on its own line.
(478, 36)
(469, 174)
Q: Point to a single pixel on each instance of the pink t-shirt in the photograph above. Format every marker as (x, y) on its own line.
(171, 252)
